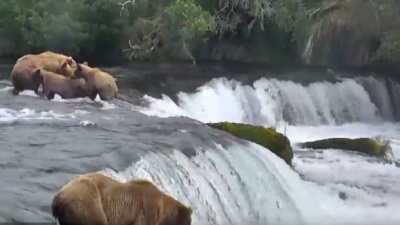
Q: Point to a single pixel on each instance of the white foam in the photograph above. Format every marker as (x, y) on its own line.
(354, 130)
(28, 93)
(86, 123)
(8, 116)
(163, 107)
(371, 189)
(107, 105)
(395, 143)
(6, 89)
(58, 98)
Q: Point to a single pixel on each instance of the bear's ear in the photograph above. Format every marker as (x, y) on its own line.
(69, 60)
(36, 71)
(85, 63)
(79, 67)
(37, 75)
(64, 65)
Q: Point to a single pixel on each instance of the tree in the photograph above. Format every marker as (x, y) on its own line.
(342, 35)
(170, 29)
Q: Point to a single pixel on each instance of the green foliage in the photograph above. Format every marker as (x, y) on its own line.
(188, 19)
(376, 146)
(276, 142)
(273, 31)
(102, 23)
(70, 26)
(353, 32)
(390, 47)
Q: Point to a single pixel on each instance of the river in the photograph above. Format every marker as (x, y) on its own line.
(227, 181)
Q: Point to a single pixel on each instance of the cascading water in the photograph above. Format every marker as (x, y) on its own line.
(394, 90)
(379, 95)
(270, 102)
(360, 107)
(244, 184)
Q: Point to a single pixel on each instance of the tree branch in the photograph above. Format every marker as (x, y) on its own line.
(123, 4)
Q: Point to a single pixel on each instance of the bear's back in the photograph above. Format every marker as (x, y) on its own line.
(54, 79)
(26, 63)
(30, 62)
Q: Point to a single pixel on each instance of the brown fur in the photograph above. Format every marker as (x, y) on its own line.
(54, 83)
(21, 75)
(94, 198)
(59, 58)
(98, 82)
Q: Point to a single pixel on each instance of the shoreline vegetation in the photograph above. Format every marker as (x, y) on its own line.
(273, 33)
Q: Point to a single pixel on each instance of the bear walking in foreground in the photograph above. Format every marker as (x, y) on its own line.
(21, 74)
(95, 199)
(98, 82)
(66, 87)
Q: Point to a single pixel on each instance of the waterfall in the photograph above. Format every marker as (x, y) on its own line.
(270, 102)
(244, 184)
(249, 185)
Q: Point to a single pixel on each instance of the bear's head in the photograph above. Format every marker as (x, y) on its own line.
(71, 62)
(80, 70)
(175, 215)
(184, 215)
(66, 70)
(169, 210)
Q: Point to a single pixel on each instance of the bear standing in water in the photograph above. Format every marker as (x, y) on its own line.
(98, 82)
(95, 199)
(54, 83)
(21, 74)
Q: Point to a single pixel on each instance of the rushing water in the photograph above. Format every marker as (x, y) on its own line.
(225, 180)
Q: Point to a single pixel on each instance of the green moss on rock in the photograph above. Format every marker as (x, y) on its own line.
(276, 142)
(372, 146)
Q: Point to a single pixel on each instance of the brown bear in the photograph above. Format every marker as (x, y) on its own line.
(54, 83)
(98, 82)
(21, 74)
(95, 199)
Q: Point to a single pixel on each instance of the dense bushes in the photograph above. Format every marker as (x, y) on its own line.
(273, 31)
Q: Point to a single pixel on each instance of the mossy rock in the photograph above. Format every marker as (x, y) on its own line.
(276, 142)
(376, 146)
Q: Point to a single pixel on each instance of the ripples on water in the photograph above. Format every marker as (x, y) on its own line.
(225, 180)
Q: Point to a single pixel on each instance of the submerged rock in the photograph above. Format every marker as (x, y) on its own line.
(343, 195)
(371, 146)
(276, 142)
